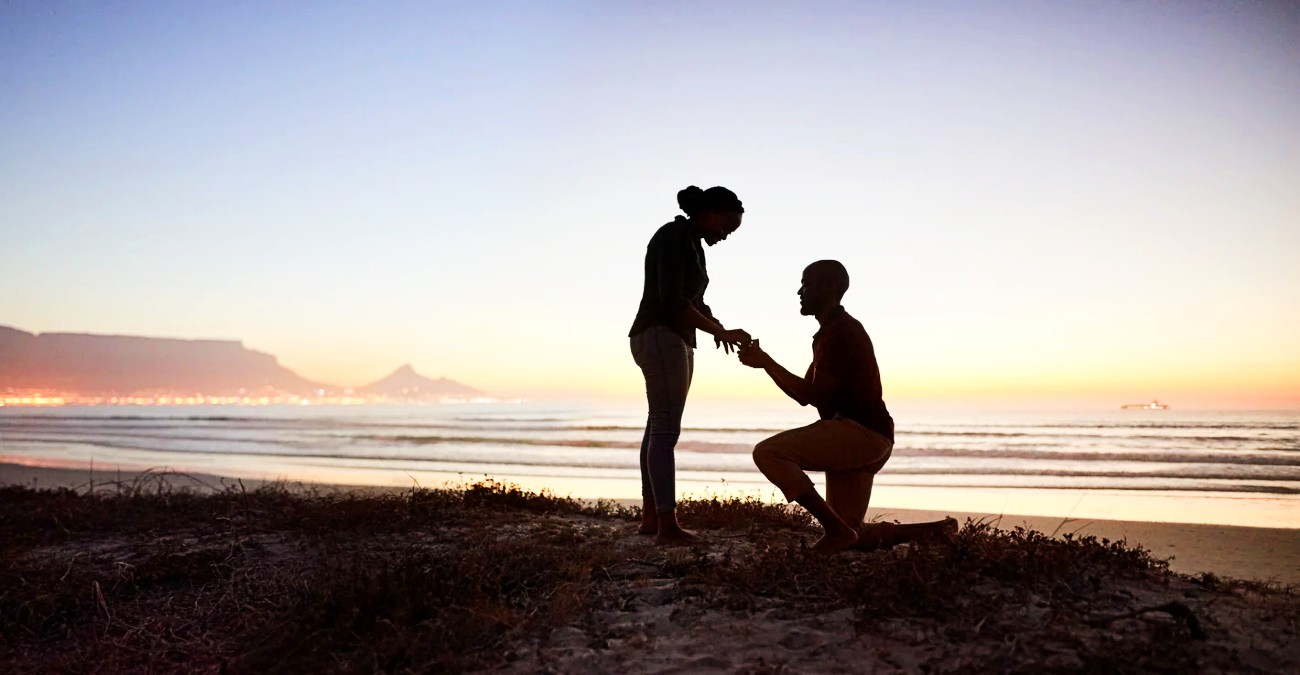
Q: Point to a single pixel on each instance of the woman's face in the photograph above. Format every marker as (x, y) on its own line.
(718, 225)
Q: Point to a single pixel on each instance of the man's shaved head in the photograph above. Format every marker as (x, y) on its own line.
(831, 273)
(824, 284)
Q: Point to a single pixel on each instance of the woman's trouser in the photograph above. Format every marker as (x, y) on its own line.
(667, 363)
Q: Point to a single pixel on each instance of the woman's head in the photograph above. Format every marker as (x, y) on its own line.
(715, 211)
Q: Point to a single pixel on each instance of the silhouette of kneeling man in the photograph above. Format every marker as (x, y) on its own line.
(855, 435)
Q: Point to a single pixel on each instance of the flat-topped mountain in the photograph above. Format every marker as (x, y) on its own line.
(89, 364)
(406, 383)
(102, 364)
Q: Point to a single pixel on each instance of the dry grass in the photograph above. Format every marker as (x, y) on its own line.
(921, 580)
(282, 580)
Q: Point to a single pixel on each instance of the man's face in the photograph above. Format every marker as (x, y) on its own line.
(821, 290)
(809, 298)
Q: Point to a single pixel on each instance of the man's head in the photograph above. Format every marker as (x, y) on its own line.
(824, 285)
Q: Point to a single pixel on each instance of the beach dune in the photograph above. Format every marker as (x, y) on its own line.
(1249, 553)
(142, 575)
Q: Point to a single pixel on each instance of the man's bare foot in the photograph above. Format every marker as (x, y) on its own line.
(874, 536)
(835, 540)
(939, 530)
(946, 529)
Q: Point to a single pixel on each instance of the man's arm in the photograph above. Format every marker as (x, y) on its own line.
(814, 391)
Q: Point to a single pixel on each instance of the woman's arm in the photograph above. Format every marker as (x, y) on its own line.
(670, 285)
(728, 339)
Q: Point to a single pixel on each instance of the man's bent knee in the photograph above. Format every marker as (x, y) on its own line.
(766, 451)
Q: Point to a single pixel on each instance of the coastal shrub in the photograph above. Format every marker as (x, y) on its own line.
(420, 610)
(921, 579)
(277, 577)
(736, 513)
(29, 516)
(493, 494)
(92, 594)
(287, 579)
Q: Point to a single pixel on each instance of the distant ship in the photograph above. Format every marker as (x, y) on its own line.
(1153, 405)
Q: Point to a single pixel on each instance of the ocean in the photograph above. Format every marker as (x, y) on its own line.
(1234, 468)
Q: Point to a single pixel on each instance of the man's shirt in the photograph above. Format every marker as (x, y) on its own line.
(675, 277)
(845, 377)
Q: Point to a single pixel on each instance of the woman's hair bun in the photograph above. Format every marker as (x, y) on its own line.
(691, 200)
(695, 201)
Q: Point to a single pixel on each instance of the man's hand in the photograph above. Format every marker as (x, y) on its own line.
(753, 356)
(731, 340)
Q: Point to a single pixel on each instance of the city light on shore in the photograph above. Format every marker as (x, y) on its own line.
(49, 400)
(35, 400)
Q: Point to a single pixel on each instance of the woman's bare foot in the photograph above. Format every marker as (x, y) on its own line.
(677, 537)
(672, 534)
(649, 518)
(835, 540)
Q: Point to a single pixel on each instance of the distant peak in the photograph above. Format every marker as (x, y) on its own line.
(406, 383)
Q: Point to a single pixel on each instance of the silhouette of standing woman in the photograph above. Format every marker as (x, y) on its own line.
(663, 341)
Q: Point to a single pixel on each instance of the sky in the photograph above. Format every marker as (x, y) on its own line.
(1078, 203)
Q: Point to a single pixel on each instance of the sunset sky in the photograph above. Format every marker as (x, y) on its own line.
(1094, 202)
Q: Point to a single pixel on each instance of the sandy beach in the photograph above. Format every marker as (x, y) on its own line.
(1255, 553)
(1250, 553)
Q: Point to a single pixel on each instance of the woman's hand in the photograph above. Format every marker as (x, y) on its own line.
(731, 340)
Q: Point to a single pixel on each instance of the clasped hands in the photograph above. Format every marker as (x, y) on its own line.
(746, 348)
(732, 340)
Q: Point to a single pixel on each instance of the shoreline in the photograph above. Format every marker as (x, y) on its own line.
(1241, 552)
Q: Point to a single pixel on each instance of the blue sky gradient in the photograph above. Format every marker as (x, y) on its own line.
(1080, 199)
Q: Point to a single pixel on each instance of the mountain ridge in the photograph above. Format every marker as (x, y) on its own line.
(90, 363)
(405, 382)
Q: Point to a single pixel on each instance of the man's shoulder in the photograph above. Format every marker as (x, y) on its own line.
(845, 325)
(845, 334)
(853, 325)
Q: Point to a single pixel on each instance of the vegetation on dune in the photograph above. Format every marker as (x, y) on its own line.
(277, 579)
(273, 578)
